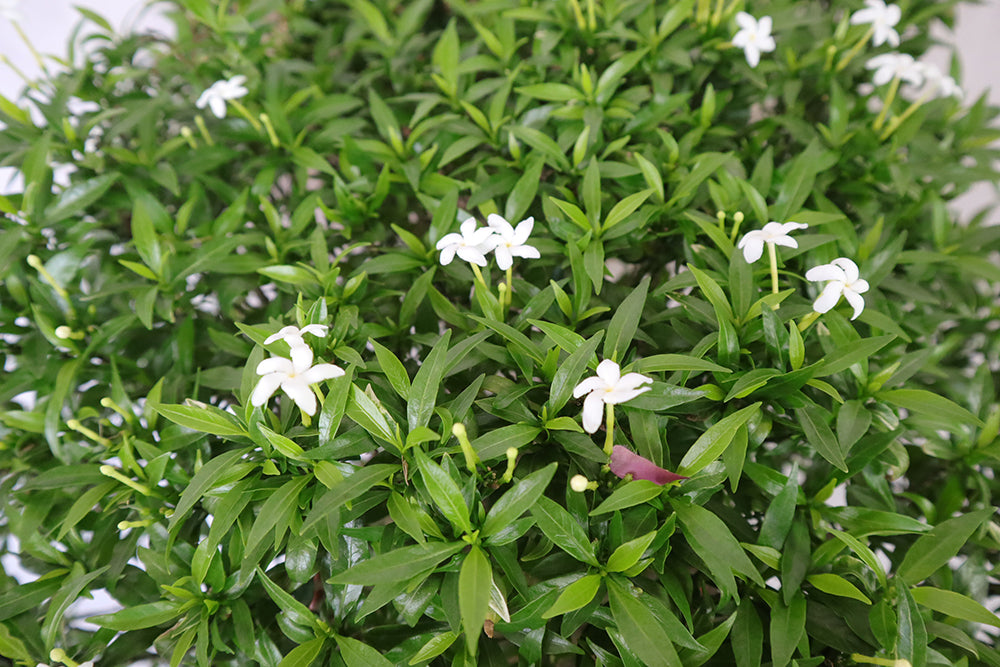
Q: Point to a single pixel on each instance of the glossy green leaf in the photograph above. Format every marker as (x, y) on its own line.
(710, 445)
(517, 500)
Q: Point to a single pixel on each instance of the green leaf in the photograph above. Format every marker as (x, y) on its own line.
(933, 550)
(751, 381)
(284, 445)
(748, 635)
(398, 564)
(297, 612)
(853, 420)
(844, 357)
(576, 595)
(625, 321)
(474, 582)
(363, 410)
(445, 493)
(560, 527)
(146, 213)
(788, 622)
(351, 487)
(445, 59)
(434, 647)
(287, 273)
(576, 215)
(923, 402)
(565, 338)
(710, 445)
(204, 418)
(206, 478)
(676, 362)
(517, 500)
(713, 542)
(955, 605)
(911, 637)
(275, 514)
(74, 583)
(358, 654)
(713, 292)
(629, 494)
(817, 432)
(629, 553)
(625, 208)
(651, 175)
(778, 517)
(551, 92)
(304, 654)
(643, 633)
(568, 374)
(79, 196)
(426, 383)
(141, 616)
(495, 444)
(836, 585)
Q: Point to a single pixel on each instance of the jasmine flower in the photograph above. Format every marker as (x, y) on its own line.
(509, 242)
(608, 387)
(882, 18)
(471, 244)
(753, 37)
(843, 279)
(773, 233)
(294, 377)
(216, 95)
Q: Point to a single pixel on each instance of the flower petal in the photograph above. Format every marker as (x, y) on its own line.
(525, 251)
(275, 365)
(753, 247)
(500, 224)
(523, 230)
(321, 372)
(505, 259)
(856, 300)
(587, 386)
(626, 462)
(449, 240)
(860, 286)
(447, 254)
(825, 272)
(610, 372)
(471, 255)
(318, 330)
(302, 357)
(593, 412)
(746, 21)
(829, 297)
(851, 272)
(265, 387)
(300, 392)
(623, 395)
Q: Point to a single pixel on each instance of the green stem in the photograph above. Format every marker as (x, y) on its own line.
(510, 286)
(479, 276)
(886, 103)
(243, 111)
(901, 118)
(808, 320)
(609, 439)
(772, 255)
(850, 55)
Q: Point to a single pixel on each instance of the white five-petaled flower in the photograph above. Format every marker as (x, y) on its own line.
(936, 82)
(752, 243)
(471, 244)
(889, 66)
(753, 36)
(294, 377)
(509, 242)
(293, 336)
(608, 387)
(882, 18)
(216, 95)
(843, 279)
(9, 10)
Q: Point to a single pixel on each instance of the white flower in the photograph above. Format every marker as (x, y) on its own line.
(293, 336)
(294, 377)
(471, 245)
(579, 483)
(882, 18)
(509, 242)
(753, 37)
(844, 279)
(9, 10)
(936, 82)
(889, 66)
(775, 233)
(215, 96)
(608, 387)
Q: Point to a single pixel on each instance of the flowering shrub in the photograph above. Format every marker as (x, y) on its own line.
(252, 402)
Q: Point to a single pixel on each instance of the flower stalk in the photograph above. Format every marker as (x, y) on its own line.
(471, 458)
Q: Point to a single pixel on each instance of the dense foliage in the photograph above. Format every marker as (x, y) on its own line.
(837, 499)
